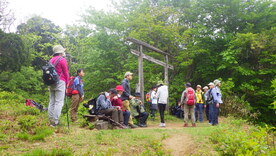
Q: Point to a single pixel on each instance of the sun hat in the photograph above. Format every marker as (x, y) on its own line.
(160, 83)
(205, 87)
(58, 49)
(198, 86)
(128, 73)
(119, 88)
(211, 84)
(216, 81)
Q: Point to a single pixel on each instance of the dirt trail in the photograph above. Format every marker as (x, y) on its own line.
(180, 145)
(177, 145)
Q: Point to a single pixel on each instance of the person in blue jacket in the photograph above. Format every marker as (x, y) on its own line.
(77, 94)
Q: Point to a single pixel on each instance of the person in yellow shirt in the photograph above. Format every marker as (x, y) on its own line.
(199, 104)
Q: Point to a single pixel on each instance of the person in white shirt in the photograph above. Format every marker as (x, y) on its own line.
(162, 96)
(153, 106)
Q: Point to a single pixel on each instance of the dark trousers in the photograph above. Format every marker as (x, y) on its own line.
(142, 118)
(116, 115)
(126, 115)
(207, 112)
(199, 112)
(162, 108)
(213, 114)
(153, 113)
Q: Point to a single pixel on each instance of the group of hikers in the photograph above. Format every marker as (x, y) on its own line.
(122, 106)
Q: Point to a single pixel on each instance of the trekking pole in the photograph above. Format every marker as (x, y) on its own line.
(67, 109)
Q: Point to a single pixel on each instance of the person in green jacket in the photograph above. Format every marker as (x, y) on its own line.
(138, 110)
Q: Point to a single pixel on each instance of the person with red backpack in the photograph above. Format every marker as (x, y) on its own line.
(77, 94)
(188, 100)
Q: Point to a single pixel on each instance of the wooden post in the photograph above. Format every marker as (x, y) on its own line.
(141, 72)
(166, 70)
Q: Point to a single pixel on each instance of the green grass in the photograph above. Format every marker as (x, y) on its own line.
(24, 131)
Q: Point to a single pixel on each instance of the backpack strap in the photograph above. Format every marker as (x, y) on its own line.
(57, 61)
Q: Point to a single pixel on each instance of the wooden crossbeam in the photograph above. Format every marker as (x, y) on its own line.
(149, 58)
(147, 46)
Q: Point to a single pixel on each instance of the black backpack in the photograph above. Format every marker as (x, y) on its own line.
(92, 106)
(50, 75)
(209, 96)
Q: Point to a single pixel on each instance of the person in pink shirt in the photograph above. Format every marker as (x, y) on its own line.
(57, 91)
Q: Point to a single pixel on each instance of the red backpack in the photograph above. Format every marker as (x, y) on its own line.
(190, 97)
(69, 87)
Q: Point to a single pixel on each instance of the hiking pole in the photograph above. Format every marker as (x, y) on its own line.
(67, 109)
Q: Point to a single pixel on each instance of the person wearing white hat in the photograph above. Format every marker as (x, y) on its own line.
(57, 91)
(215, 101)
(205, 89)
(199, 104)
(126, 96)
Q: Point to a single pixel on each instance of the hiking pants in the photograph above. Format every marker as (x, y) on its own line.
(189, 110)
(126, 107)
(213, 114)
(57, 94)
(116, 115)
(142, 118)
(207, 112)
(74, 106)
(199, 112)
(152, 113)
(126, 115)
(162, 108)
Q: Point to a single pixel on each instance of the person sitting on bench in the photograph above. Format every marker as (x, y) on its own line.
(105, 107)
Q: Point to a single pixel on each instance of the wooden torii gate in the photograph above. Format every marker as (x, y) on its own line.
(142, 56)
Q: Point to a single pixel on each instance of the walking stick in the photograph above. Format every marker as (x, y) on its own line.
(67, 109)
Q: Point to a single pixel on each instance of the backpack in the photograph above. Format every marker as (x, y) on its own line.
(190, 97)
(148, 97)
(69, 87)
(92, 106)
(32, 103)
(50, 75)
(209, 96)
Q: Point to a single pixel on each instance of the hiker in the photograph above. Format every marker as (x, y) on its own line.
(105, 107)
(57, 91)
(199, 104)
(210, 101)
(206, 106)
(153, 106)
(216, 102)
(126, 96)
(116, 101)
(162, 96)
(77, 94)
(188, 100)
(138, 110)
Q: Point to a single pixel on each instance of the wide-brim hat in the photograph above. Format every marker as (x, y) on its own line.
(58, 49)
(160, 83)
(188, 84)
(216, 81)
(205, 87)
(120, 88)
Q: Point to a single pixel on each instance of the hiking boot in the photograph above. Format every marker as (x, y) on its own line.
(185, 125)
(194, 125)
(133, 126)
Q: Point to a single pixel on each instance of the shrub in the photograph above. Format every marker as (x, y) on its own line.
(249, 141)
(27, 122)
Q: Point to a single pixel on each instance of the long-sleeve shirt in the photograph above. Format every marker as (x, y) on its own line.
(126, 93)
(103, 103)
(61, 68)
(78, 85)
(218, 95)
(162, 94)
